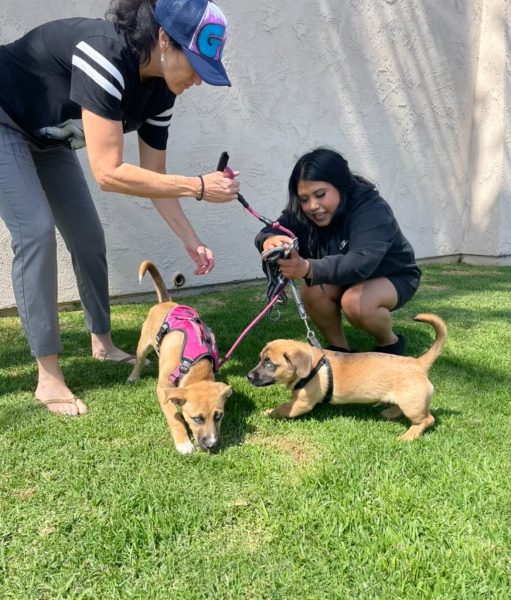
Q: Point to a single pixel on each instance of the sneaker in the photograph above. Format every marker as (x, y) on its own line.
(337, 349)
(395, 348)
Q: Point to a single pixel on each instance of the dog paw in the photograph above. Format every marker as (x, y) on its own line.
(133, 378)
(185, 448)
(269, 412)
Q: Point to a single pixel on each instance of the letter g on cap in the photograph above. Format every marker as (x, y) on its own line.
(210, 40)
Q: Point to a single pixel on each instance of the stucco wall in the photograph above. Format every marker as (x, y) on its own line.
(487, 214)
(415, 93)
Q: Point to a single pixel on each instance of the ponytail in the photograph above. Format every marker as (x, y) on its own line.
(136, 19)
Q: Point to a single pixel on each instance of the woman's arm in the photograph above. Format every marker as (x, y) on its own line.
(171, 211)
(270, 237)
(371, 232)
(105, 146)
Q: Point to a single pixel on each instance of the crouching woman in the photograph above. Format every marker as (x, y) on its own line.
(352, 255)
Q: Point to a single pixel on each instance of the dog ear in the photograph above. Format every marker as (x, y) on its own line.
(301, 361)
(227, 391)
(177, 396)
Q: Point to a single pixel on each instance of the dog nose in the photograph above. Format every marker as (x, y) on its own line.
(251, 376)
(209, 443)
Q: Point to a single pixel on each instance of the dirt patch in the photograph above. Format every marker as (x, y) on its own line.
(425, 287)
(216, 302)
(299, 450)
(24, 494)
(433, 288)
(472, 273)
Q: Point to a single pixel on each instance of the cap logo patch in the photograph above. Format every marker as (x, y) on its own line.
(210, 40)
(210, 35)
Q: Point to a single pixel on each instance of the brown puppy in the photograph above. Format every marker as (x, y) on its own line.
(198, 400)
(352, 378)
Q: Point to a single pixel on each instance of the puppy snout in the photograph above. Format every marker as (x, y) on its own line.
(259, 378)
(209, 443)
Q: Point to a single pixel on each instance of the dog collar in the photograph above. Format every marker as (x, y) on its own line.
(323, 361)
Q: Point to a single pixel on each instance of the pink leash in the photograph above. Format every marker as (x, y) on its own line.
(249, 327)
(222, 166)
(275, 225)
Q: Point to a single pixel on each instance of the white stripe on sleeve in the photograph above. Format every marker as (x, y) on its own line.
(101, 60)
(97, 77)
(159, 123)
(165, 113)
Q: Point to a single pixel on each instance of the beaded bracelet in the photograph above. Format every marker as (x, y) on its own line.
(201, 195)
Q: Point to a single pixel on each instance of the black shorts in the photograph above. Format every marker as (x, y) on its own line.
(406, 285)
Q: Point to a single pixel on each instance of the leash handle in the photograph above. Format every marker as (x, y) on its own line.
(222, 163)
(223, 166)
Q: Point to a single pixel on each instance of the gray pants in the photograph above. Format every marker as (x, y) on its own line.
(38, 191)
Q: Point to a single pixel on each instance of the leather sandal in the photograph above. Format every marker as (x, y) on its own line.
(129, 360)
(68, 401)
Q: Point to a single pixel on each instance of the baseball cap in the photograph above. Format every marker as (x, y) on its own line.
(200, 27)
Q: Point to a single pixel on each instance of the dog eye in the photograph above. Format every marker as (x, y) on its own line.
(199, 420)
(268, 364)
(218, 416)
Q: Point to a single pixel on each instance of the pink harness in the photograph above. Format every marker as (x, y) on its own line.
(199, 341)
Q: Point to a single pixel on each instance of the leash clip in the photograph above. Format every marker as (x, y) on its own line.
(311, 336)
(312, 339)
(185, 367)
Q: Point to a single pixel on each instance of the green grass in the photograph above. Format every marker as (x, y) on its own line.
(330, 505)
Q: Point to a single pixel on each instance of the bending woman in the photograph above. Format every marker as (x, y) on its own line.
(77, 82)
(352, 255)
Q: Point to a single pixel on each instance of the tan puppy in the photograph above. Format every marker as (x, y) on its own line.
(198, 400)
(363, 378)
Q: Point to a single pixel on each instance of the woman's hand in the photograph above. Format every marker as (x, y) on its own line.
(294, 267)
(220, 187)
(275, 241)
(202, 257)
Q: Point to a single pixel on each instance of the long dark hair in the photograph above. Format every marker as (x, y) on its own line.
(136, 19)
(321, 164)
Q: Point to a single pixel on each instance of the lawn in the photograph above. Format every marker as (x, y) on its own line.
(330, 505)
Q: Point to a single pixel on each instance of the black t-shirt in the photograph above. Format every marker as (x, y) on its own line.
(49, 74)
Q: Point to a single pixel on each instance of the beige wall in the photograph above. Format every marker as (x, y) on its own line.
(415, 93)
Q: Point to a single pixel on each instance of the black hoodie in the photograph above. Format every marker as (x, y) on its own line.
(363, 240)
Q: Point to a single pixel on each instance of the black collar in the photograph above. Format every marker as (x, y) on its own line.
(323, 361)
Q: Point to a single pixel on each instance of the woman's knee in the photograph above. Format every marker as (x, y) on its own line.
(359, 307)
(37, 240)
(96, 242)
(353, 307)
(87, 248)
(317, 298)
(361, 303)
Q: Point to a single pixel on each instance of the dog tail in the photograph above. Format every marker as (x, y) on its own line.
(434, 352)
(159, 285)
